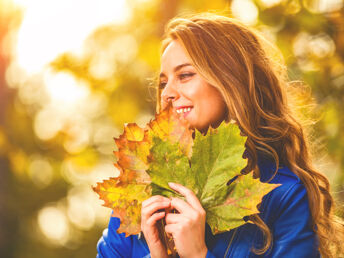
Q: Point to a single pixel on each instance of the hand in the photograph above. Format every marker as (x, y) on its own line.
(149, 217)
(188, 226)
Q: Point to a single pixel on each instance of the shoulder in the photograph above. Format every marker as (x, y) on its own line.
(286, 212)
(290, 196)
(112, 244)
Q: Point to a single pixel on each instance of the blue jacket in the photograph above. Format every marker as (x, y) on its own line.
(285, 211)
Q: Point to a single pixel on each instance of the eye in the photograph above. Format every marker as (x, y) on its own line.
(180, 76)
(185, 75)
(162, 85)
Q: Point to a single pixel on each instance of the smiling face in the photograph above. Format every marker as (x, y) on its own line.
(200, 103)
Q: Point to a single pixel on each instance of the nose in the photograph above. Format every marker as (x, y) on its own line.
(169, 93)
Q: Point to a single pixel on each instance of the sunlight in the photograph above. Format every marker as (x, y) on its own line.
(50, 28)
(270, 3)
(245, 10)
(323, 6)
(58, 231)
(63, 87)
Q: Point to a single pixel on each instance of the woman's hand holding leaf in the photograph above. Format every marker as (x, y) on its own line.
(188, 226)
(150, 215)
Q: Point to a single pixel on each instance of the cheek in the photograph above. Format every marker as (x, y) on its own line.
(214, 107)
(191, 93)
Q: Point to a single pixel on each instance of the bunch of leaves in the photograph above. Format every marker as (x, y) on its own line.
(166, 151)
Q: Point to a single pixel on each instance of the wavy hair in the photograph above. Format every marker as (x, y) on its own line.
(250, 74)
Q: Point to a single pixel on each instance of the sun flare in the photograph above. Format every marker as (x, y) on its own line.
(50, 28)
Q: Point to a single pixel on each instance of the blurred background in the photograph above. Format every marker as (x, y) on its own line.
(72, 72)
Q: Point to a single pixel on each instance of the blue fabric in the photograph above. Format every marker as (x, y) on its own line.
(285, 210)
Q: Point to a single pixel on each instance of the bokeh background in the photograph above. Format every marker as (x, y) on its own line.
(72, 72)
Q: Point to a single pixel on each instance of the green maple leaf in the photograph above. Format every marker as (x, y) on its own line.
(216, 160)
(168, 164)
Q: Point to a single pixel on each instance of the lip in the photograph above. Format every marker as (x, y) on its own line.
(185, 114)
(178, 107)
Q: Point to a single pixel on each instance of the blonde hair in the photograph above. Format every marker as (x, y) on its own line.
(235, 59)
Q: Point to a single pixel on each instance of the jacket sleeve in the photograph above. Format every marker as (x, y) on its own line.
(112, 244)
(292, 231)
(210, 255)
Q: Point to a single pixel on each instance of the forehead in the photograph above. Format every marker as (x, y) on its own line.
(173, 55)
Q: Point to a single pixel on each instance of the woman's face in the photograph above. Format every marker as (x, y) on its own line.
(200, 103)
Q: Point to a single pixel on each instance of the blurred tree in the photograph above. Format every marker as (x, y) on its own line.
(56, 126)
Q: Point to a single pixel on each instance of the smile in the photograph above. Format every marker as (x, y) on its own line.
(183, 110)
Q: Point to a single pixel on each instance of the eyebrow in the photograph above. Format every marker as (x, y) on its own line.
(178, 67)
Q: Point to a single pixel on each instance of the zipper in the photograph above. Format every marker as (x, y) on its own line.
(230, 242)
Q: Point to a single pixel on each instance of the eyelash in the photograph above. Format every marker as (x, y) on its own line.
(181, 76)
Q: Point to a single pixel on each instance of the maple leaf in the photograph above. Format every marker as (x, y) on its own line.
(133, 148)
(216, 160)
(125, 200)
(168, 125)
(169, 164)
(165, 152)
(124, 194)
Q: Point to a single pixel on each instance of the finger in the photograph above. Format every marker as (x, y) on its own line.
(173, 218)
(170, 228)
(155, 217)
(147, 211)
(181, 206)
(191, 198)
(154, 198)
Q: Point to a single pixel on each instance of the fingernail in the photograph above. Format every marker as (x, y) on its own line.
(171, 184)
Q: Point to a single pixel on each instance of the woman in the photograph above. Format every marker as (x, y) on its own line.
(212, 69)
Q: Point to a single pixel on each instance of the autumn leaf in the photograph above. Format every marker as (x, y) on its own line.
(169, 126)
(168, 164)
(125, 200)
(165, 151)
(216, 160)
(133, 148)
(124, 194)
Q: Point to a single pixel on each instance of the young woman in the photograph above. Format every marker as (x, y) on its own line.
(212, 69)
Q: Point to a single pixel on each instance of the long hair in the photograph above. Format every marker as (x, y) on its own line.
(236, 60)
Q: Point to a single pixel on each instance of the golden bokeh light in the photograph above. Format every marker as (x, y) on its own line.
(40, 171)
(78, 138)
(308, 47)
(245, 10)
(103, 132)
(270, 3)
(47, 123)
(76, 174)
(64, 88)
(80, 210)
(102, 66)
(53, 223)
(323, 6)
